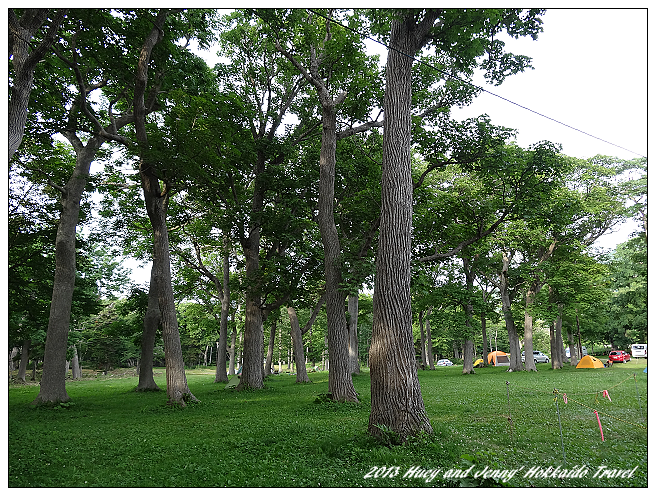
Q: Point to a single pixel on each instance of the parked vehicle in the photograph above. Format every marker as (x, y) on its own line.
(538, 357)
(585, 352)
(639, 350)
(619, 356)
(444, 362)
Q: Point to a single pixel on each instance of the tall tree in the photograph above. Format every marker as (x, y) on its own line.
(22, 34)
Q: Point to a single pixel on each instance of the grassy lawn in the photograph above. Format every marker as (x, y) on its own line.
(111, 436)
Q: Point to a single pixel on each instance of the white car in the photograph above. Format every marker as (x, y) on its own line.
(444, 362)
(585, 352)
(538, 357)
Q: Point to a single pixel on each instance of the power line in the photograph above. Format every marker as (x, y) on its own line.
(449, 76)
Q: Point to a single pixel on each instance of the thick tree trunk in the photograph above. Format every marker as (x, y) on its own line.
(353, 303)
(53, 385)
(25, 357)
(396, 401)
(251, 371)
(150, 325)
(468, 357)
(297, 343)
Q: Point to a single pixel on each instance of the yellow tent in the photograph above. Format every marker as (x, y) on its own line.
(590, 362)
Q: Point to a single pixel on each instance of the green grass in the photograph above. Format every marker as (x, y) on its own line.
(111, 436)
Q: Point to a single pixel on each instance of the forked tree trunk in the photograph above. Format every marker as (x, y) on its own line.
(150, 326)
(156, 205)
(251, 369)
(156, 201)
(297, 343)
(396, 401)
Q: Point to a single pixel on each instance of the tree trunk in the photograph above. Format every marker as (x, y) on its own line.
(251, 371)
(25, 357)
(506, 305)
(76, 370)
(468, 355)
(484, 333)
(353, 303)
(233, 344)
(396, 401)
(429, 340)
(156, 205)
(529, 362)
(221, 375)
(53, 385)
(422, 340)
(150, 325)
(297, 343)
(340, 383)
(23, 62)
(272, 342)
(558, 355)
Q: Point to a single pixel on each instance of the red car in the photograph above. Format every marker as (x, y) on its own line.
(619, 356)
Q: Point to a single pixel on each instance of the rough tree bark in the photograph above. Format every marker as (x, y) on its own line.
(21, 32)
(150, 325)
(396, 401)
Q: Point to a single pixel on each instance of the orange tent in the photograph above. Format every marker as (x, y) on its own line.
(498, 359)
(590, 362)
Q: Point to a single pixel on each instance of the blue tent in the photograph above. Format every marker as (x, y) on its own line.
(645, 371)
